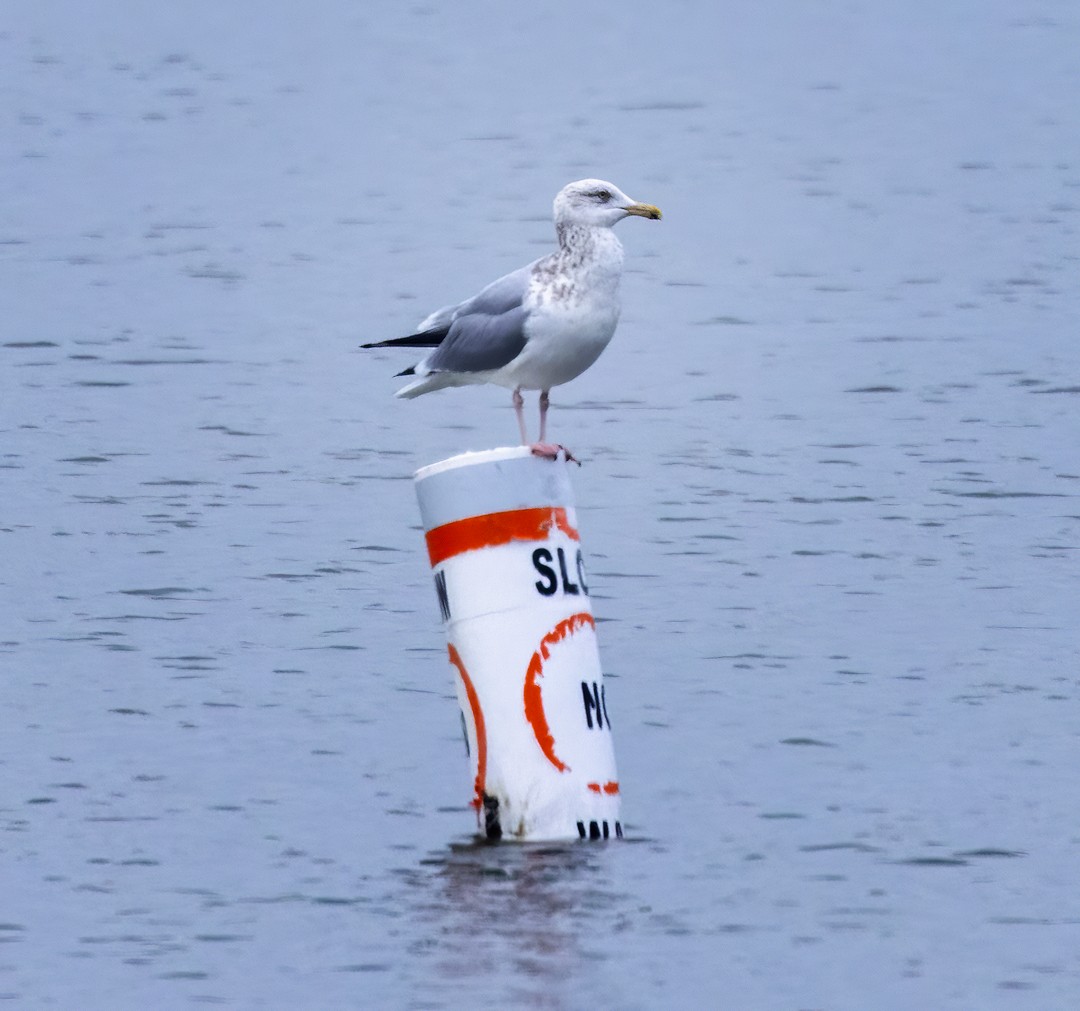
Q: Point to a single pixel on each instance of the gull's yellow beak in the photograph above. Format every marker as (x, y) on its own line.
(645, 211)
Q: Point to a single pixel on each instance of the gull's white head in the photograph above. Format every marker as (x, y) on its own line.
(595, 203)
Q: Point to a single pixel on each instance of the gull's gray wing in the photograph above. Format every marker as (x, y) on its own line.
(480, 342)
(507, 293)
(484, 332)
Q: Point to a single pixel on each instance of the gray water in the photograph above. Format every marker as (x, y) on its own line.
(830, 499)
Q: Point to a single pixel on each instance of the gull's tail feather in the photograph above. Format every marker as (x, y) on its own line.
(425, 384)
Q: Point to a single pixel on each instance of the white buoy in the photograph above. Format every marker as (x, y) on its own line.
(510, 576)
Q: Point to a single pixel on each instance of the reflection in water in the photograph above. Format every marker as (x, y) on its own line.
(527, 907)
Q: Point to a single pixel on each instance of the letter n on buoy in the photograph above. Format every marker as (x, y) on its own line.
(512, 589)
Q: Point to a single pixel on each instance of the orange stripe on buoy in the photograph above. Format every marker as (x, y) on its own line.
(534, 699)
(478, 723)
(492, 530)
(608, 788)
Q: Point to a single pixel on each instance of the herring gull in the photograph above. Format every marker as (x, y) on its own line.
(540, 326)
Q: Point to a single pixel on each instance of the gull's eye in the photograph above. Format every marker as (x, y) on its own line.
(602, 195)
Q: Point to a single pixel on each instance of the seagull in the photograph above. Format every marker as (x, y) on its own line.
(541, 325)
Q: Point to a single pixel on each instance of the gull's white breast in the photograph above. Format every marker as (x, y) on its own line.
(573, 309)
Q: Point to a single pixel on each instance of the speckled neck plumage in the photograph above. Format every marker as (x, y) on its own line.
(581, 245)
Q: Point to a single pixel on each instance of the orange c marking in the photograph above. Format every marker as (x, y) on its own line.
(478, 723)
(492, 530)
(534, 699)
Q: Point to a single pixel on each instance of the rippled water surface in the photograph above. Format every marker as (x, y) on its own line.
(831, 502)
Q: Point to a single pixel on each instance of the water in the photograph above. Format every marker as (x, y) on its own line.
(830, 500)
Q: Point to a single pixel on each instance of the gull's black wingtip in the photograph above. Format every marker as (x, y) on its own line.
(425, 339)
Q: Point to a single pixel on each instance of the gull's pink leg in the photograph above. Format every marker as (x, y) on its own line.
(543, 413)
(519, 409)
(548, 450)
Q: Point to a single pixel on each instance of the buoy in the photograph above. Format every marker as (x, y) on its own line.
(513, 593)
